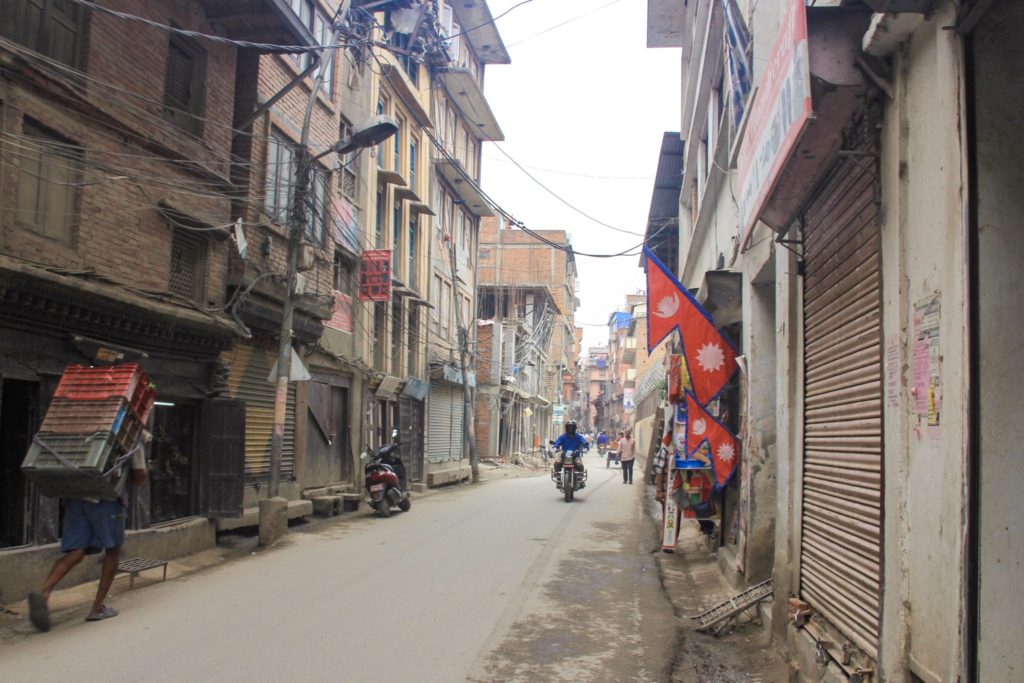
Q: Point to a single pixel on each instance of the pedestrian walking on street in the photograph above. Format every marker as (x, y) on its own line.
(91, 526)
(627, 455)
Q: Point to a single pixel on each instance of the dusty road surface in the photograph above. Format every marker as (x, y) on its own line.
(502, 581)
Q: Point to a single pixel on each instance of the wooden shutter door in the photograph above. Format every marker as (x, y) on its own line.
(222, 468)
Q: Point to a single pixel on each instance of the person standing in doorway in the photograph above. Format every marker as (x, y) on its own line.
(627, 455)
(91, 526)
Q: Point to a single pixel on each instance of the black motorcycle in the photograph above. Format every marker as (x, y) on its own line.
(569, 475)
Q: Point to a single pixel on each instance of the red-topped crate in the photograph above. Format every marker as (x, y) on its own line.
(80, 383)
(127, 381)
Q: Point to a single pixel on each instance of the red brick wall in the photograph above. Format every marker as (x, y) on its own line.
(128, 145)
(485, 354)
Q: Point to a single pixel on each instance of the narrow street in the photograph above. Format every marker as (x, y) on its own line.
(501, 581)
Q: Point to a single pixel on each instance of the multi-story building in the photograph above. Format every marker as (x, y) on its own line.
(855, 229)
(527, 337)
(596, 374)
(463, 121)
(119, 198)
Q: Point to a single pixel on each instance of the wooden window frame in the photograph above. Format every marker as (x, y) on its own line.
(186, 118)
(42, 39)
(55, 152)
(200, 266)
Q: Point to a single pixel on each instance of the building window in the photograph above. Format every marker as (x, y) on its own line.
(397, 146)
(347, 179)
(379, 220)
(280, 171)
(379, 334)
(48, 184)
(320, 26)
(446, 303)
(413, 148)
(382, 108)
(435, 304)
(50, 27)
(188, 264)
(413, 331)
(412, 253)
(452, 31)
(409, 64)
(184, 84)
(397, 336)
(343, 275)
(318, 210)
(396, 240)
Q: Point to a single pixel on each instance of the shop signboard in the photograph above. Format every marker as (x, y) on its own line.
(777, 118)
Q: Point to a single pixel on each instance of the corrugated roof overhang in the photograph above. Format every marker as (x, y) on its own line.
(662, 233)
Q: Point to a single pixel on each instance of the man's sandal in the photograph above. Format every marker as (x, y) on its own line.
(38, 612)
(104, 613)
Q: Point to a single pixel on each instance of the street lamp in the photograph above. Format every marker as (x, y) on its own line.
(372, 132)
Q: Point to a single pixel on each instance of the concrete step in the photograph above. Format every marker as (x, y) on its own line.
(251, 516)
(331, 490)
(328, 506)
(351, 501)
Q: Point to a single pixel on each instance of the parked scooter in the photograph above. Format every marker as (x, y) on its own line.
(386, 483)
(569, 475)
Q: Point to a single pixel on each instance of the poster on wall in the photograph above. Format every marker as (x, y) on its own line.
(927, 368)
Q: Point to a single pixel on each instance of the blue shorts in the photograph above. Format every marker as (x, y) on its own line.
(92, 526)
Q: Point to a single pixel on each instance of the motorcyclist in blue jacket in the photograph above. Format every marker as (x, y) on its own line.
(571, 441)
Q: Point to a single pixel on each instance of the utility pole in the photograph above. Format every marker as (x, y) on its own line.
(296, 229)
(467, 394)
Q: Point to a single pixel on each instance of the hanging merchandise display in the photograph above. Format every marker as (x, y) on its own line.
(678, 378)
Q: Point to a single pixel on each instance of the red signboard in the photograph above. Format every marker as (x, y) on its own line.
(375, 275)
(781, 109)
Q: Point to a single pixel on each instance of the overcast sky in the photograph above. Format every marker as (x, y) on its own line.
(583, 107)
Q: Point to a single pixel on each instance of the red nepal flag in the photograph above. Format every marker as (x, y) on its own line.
(710, 358)
(724, 447)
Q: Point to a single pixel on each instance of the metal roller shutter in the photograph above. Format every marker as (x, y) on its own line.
(445, 428)
(250, 367)
(841, 548)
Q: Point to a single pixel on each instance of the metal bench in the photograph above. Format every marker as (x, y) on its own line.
(135, 565)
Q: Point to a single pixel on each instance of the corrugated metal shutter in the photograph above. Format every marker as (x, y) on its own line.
(841, 549)
(445, 428)
(250, 367)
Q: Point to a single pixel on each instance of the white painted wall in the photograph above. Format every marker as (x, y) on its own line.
(923, 255)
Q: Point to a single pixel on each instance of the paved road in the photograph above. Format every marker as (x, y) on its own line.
(497, 582)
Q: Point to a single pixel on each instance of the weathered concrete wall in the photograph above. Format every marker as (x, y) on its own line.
(924, 260)
(23, 570)
(999, 59)
(789, 433)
